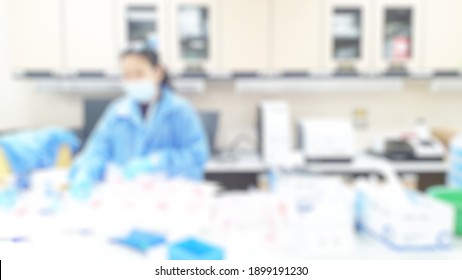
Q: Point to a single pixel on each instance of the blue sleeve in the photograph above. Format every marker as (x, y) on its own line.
(188, 157)
(91, 162)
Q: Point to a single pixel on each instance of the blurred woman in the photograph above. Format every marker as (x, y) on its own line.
(149, 130)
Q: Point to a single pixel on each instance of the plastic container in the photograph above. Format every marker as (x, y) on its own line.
(193, 249)
(141, 241)
(452, 196)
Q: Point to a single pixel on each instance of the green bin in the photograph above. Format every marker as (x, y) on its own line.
(453, 197)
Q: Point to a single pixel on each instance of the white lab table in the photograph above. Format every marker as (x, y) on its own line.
(101, 249)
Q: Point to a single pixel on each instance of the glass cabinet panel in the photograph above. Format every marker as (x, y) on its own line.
(347, 34)
(194, 32)
(142, 23)
(398, 40)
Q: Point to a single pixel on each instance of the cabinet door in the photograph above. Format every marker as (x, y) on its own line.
(296, 33)
(36, 36)
(143, 20)
(90, 37)
(195, 35)
(346, 36)
(443, 47)
(398, 41)
(245, 34)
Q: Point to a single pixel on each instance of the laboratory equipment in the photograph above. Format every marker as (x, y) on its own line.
(398, 150)
(274, 132)
(413, 148)
(453, 197)
(330, 140)
(403, 219)
(195, 249)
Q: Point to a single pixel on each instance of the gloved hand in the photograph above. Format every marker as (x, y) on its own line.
(141, 166)
(81, 186)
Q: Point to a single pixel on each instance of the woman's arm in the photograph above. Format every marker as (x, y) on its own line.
(90, 163)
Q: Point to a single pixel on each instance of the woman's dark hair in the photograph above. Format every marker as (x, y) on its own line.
(153, 58)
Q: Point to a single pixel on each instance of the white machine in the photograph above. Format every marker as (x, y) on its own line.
(327, 140)
(275, 140)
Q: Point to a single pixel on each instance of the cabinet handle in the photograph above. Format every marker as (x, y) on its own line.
(351, 73)
(446, 73)
(296, 74)
(38, 74)
(91, 74)
(244, 75)
(403, 73)
(194, 74)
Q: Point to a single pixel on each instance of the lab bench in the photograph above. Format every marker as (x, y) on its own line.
(242, 172)
(86, 247)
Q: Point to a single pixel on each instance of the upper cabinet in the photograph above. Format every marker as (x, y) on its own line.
(195, 35)
(90, 37)
(36, 37)
(346, 39)
(143, 20)
(295, 35)
(399, 37)
(83, 38)
(245, 35)
(443, 45)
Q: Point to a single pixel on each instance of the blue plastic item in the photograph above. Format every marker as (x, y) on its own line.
(141, 241)
(193, 249)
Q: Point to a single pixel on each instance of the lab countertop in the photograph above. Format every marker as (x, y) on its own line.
(98, 248)
(362, 163)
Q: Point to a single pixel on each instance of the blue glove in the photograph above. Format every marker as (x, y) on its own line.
(81, 187)
(140, 166)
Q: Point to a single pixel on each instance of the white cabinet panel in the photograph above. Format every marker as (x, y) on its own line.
(36, 36)
(139, 20)
(195, 35)
(296, 34)
(90, 36)
(399, 35)
(443, 46)
(346, 36)
(245, 31)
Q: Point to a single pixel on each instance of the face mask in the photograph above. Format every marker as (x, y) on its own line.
(142, 91)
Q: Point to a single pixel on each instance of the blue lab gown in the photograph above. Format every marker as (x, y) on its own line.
(27, 151)
(173, 133)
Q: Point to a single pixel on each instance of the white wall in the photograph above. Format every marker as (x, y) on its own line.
(20, 105)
